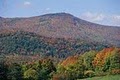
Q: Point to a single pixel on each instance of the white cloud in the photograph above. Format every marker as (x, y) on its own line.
(47, 9)
(92, 16)
(100, 18)
(27, 3)
(116, 19)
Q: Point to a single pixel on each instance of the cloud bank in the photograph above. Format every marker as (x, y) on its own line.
(27, 3)
(101, 18)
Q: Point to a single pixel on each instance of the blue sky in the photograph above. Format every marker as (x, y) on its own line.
(105, 12)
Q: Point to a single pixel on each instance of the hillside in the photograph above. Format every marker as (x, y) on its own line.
(64, 25)
(59, 35)
(26, 43)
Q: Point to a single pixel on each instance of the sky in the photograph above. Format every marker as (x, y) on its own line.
(106, 12)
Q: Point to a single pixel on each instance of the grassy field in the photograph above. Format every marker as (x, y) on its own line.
(109, 77)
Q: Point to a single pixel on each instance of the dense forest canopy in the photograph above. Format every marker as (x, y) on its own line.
(27, 43)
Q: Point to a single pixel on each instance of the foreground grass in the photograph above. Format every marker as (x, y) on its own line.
(108, 77)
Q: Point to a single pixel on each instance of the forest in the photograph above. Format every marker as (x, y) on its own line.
(89, 64)
(28, 43)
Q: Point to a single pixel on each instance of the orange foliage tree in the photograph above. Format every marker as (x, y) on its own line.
(105, 59)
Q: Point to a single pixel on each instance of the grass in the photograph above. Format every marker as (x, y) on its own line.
(108, 77)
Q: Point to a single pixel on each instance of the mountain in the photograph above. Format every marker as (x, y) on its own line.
(64, 25)
(55, 33)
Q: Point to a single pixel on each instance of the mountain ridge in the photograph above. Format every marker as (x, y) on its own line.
(63, 25)
(62, 13)
(50, 14)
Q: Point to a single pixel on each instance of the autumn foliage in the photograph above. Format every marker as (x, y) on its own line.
(89, 64)
(105, 58)
(70, 61)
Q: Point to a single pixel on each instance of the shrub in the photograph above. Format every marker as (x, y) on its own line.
(89, 73)
(115, 71)
(61, 76)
